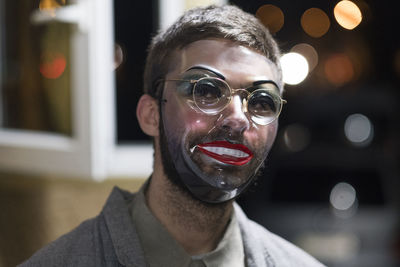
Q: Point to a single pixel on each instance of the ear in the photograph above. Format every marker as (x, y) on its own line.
(148, 115)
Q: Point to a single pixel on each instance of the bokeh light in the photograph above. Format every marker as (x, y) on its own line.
(294, 68)
(308, 52)
(50, 6)
(347, 14)
(271, 16)
(315, 22)
(339, 69)
(359, 130)
(52, 65)
(343, 196)
(296, 137)
(343, 199)
(118, 56)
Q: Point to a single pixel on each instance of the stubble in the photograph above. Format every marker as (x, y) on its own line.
(181, 205)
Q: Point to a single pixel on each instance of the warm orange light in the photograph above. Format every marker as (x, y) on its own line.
(271, 16)
(52, 65)
(315, 22)
(347, 14)
(50, 6)
(339, 69)
(308, 52)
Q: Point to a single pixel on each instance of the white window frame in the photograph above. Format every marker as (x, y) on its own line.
(92, 152)
(2, 26)
(83, 155)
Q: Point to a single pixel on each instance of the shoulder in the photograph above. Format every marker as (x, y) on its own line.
(80, 247)
(276, 250)
(94, 242)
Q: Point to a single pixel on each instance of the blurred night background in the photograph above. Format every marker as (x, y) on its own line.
(332, 180)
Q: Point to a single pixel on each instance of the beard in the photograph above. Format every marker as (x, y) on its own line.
(168, 165)
(181, 204)
(178, 186)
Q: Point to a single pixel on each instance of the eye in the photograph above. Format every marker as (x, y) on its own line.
(207, 92)
(261, 103)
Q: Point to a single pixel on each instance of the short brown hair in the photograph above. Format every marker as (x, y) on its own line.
(226, 22)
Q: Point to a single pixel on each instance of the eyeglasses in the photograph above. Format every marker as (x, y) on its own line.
(211, 95)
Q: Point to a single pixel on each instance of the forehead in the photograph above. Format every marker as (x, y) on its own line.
(237, 63)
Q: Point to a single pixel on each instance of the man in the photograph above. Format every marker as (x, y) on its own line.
(212, 99)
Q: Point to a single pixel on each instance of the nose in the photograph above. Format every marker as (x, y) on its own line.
(234, 119)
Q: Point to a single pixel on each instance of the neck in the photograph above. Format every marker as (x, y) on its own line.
(198, 227)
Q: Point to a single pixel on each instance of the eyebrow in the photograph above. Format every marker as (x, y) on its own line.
(262, 82)
(265, 81)
(199, 67)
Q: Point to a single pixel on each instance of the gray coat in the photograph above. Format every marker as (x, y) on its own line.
(110, 239)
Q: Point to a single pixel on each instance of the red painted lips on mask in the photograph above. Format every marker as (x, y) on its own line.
(223, 151)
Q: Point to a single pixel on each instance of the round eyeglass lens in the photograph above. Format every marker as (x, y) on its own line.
(263, 106)
(211, 95)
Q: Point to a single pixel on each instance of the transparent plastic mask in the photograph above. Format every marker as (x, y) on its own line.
(216, 155)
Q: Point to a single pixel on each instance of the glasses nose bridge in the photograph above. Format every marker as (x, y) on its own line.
(240, 91)
(243, 95)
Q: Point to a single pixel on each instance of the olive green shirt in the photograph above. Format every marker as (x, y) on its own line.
(161, 249)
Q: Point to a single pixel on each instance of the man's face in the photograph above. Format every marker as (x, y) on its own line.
(223, 150)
